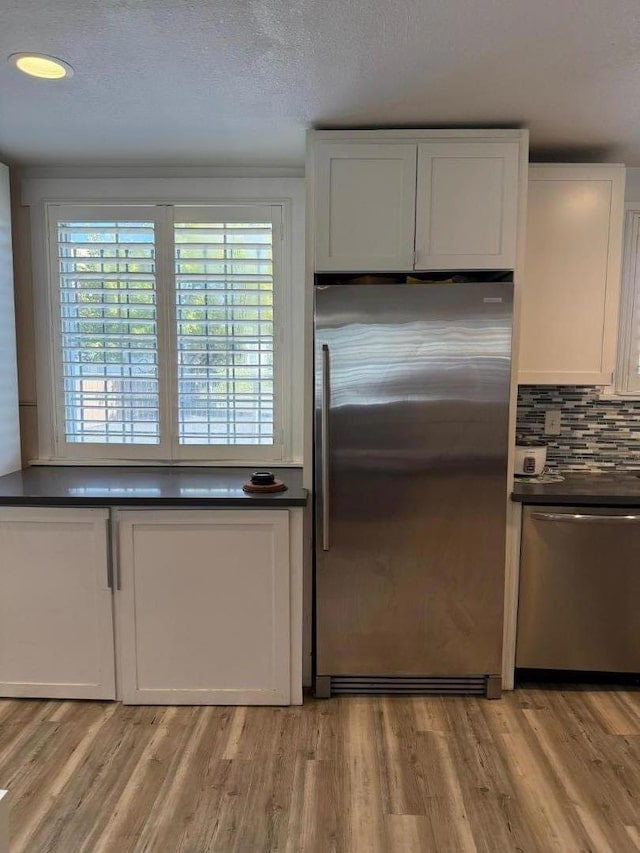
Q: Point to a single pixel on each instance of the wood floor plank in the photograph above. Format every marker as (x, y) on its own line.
(181, 781)
(86, 804)
(634, 834)
(495, 811)
(396, 739)
(123, 828)
(617, 716)
(429, 713)
(409, 833)
(321, 825)
(235, 733)
(365, 831)
(75, 742)
(543, 770)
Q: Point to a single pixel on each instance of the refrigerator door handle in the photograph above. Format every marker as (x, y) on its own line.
(324, 436)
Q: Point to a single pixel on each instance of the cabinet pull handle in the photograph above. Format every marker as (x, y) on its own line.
(115, 549)
(324, 433)
(586, 518)
(109, 554)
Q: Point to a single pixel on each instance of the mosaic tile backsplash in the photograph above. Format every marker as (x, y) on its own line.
(595, 435)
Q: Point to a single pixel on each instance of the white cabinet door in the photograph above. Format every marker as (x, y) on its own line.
(203, 609)
(365, 206)
(569, 302)
(467, 205)
(56, 612)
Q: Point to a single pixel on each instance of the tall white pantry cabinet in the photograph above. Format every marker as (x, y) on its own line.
(155, 606)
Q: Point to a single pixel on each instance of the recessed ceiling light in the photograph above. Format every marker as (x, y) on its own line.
(41, 65)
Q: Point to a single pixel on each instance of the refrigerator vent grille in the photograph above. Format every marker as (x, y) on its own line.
(408, 685)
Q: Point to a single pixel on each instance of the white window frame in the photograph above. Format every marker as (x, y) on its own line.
(144, 194)
(627, 380)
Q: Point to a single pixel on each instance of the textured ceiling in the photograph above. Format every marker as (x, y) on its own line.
(236, 82)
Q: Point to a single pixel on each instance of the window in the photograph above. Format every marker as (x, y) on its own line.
(165, 332)
(224, 326)
(108, 327)
(628, 368)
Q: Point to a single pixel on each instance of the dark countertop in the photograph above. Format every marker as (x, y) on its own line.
(615, 488)
(52, 485)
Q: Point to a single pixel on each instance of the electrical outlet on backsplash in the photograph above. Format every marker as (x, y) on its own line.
(596, 434)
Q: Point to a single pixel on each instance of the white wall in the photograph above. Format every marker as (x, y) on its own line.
(186, 185)
(9, 427)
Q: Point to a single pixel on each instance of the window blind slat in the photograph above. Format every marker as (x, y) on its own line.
(108, 324)
(224, 328)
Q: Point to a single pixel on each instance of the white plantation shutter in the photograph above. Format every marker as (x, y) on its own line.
(224, 295)
(163, 332)
(108, 331)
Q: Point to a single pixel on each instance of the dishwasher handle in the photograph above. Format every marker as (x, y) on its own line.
(586, 518)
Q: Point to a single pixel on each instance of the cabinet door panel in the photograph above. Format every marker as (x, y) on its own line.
(466, 205)
(365, 206)
(56, 615)
(203, 613)
(572, 269)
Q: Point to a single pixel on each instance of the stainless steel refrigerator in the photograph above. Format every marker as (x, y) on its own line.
(411, 435)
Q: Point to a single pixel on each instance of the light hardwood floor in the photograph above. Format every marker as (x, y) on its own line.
(540, 770)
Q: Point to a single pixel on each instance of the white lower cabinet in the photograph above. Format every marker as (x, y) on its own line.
(56, 604)
(206, 610)
(203, 609)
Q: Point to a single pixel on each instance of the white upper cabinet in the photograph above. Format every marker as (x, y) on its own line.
(365, 206)
(569, 307)
(467, 205)
(415, 200)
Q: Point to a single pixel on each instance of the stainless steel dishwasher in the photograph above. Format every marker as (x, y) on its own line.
(579, 603)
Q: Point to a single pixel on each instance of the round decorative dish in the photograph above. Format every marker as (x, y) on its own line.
(255, 488)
